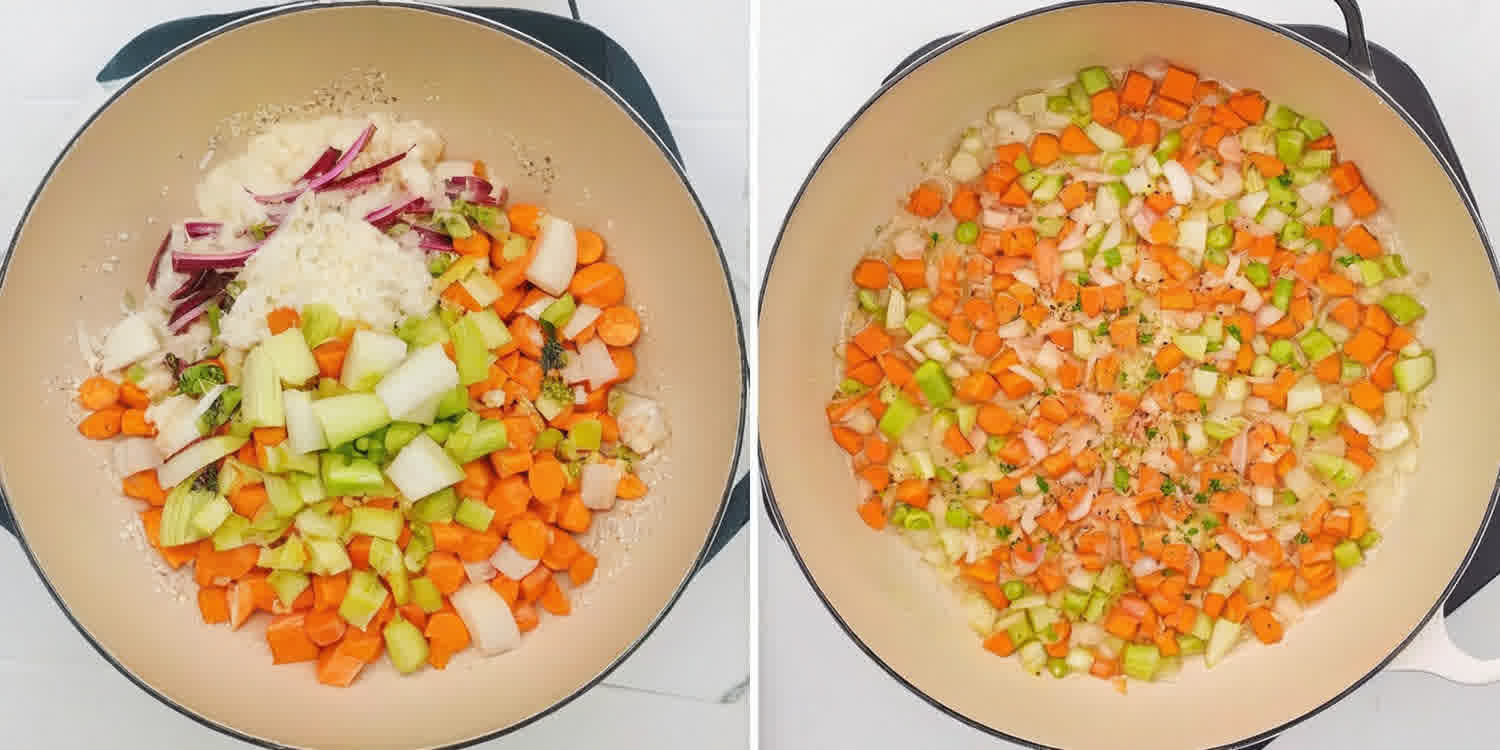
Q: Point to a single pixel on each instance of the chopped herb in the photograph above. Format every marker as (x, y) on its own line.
(1200, 497)
(1302, 537)
(1152, 375)
(1083, 278)
(214, 313)
(1102, 330)
(1215, 485)
(1144, 338)
(1143, 319)
(1192, 531)
(935, 238)
(200, 378)
(1209, 524)
(1042, 484)
(1168, 486)
(1151, 435)
(1077, 305)
(1347, 260)
(1007, 468)
(207, 479)
(552, 351)
(1234, 331)
(1203, 407)
(1003, 532)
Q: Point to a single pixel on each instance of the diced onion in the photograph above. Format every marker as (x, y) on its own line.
(1180, 182)
(598, 485)
(594, 357)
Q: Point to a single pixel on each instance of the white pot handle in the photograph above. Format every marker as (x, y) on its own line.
(1434, 652)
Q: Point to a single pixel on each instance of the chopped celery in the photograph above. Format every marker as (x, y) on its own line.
(377, 522)
(1347, 554)
(1140, 661)
(916, 320)
(1104, 138)
(1339, 471)
(898, 416)
(385, 556)
(261, 394)
(560, 311)
(1370, 539)
(1167, 148)
(1075, 602)
(320, 322)
(1414, 374)
(1117, 163)
(1061, 105)
(1022, 164)
(587, 434)
(917, 520)
(1223, 429)
(426, 595)
(1220, 237)
(1098, 603)
(486, 438)
(958, 516)
(966, 232)
(1049, 226)
(1289, 145)
(291, 555)
(1112, 258)
(1033, 657)
(1190, 645)
(279, 459)
(421, 332)
(184, 501)
(1323, 417)
(399, 583)
(547, 440)
(1404, 308)
(371, 355)
(212, 515)
(491, 327)
(867, 301)
(1283, 117)
(1281, 295)
(1080, 98)
(1317, 159)
(1393, 266)
(1031, 180)
(1057, 667)
(1111, 580)
(399, 434)
(406, 646)
(418, 548)
(1048, 188)
(455, 402)
(473, 514)
(1195, 346)
(1370, 272)
(472, 356)
(282, 495)
(231, 533)
(347, 417)
(288, 585)
(1351, 370)
(516, 246)
(343, 475)
(364, 597)
(1225, 635)
(327, 557)
(1094, 80)
(1262, 366)
(1020, 630)
(1315, 344)
(1313, 129)
(293, 360)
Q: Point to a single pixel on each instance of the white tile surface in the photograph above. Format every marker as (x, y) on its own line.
(681, 686)
(816, 67)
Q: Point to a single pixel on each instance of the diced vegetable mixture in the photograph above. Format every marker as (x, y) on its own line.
(1129, 367)
(412, 490)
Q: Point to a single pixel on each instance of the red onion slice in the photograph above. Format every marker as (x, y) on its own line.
(364, 176)
(202, 228)
(329, 157)
(156, 260)
(201, 261)
(328, 176)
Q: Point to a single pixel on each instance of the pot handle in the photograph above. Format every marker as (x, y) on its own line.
(6, 521)
(1358, 54)
(1434, 652)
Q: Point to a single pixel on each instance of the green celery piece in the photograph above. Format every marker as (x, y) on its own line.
(917, 520)
(406, 646)
(547, 440)
(1370, 272)
(327, 557)
(349, 416)
(440, 432)
(280, 460)
(1347, 554)
(283, 497)
(418, 332)
(426, 594)
(385, 556)
(291, 555)
(1313, 129)
(364, 597)
(495, 333)
(516, 246)
(898, 417)
(587, 434)
(399, 582)
(1281, 351)
(1415, 373)
(1112, 580)
(934, 382)
(288, 585)
(916, 320)
(867, 301)
(1289, 145)
(1190, 645)
(454, 403)
(1094, 80)
(1061, 105)
(1141, 661)
(1318, 158)
(399, 434)
(438, 507)
(474, 515)
(1316, 345)
(1393, 266)
(1075, 602)
(1220, 237)
(212, 515)
(1281, 295)
(1080, 98)
(320, 322)
(1048, 189)
(418, 548)
(560, 311)
(377, 522)
(958, 516)
(1283, 117)
(472, 355)
(1167, 148)
(1404, 308)
(350, 476)
(486, 438)
(260, 401)
(1031, 180)
(231, 533)
(1291, 232)
(1098, 602)
(182, 506)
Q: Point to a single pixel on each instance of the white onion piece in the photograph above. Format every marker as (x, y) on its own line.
(490, 620)
(1050, 357)
(599, 484)
(1230, 545)
(1180, 182)
(1317, 194)
(583, 317)
(511, 563)
(1142, 222)
(1035, 379)
(134, 454)
(1019, 563)
(1034, 445)
(1144, 565)
(1267, 316)
(1075, 238)
(909, 244)
(479, 572)
(1362, 422)
(594, 357)
(1011, 125)
(1230, 149)
(1238, 449)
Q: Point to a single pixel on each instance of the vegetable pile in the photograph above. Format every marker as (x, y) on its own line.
(1126, 367)
(409, 491)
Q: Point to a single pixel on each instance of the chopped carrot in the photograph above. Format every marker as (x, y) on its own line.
(102, 424)
(98, 392)
(283, 318)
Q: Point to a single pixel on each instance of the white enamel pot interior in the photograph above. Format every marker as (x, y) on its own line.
(889, 603)
(492, 94)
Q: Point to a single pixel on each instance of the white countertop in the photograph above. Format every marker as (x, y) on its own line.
(685, 684)
(817, 64)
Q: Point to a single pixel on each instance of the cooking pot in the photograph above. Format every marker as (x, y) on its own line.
(891, 605)
(555, 135)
